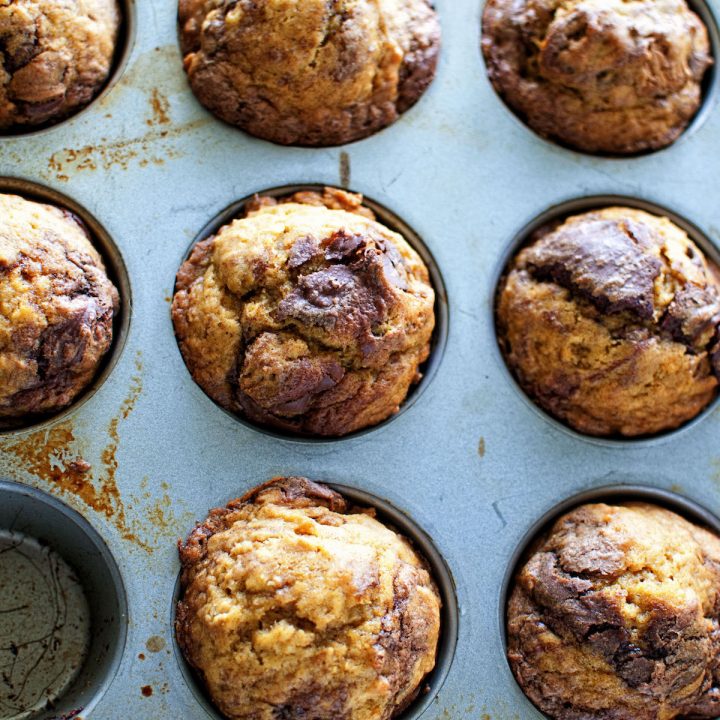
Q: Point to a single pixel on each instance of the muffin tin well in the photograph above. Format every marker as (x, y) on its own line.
(468, 458)
(393, 222)
(123, 50)
(559, 213)
(28, 512)
(389, 515)
(116, 271)
(610, 494)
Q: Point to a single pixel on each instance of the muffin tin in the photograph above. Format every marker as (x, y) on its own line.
(468, 461)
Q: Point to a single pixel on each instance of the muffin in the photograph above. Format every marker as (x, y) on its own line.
(611, 323)
(602, 77)
(56, 309)
(310, 73)
(54, 58)
(305, 317)
(295, 605)
(615, 616)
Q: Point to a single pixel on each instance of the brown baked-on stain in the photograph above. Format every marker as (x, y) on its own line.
(344, 170)
(160, 108)
(52, 455)
(155, 644)
(146, 690)
(141, 656)
(481, 447)
(119, 153)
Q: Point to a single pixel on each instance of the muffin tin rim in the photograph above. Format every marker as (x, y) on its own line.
(562, 210)
(390, 219)
(117, 271)
(402, 523)
(618, 493)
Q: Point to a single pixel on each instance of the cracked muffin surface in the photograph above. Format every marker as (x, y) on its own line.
(320, 72)
(611, 323)
(55, 56)
(615, 615)
(56, 309)
(606, 76)
(305, 316)
(296, 605)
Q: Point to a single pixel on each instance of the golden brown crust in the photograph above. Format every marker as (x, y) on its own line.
(611, 323)
(57, 308)
(54, 57)
(305, 318)
(619, 76)
(616, 616)
(321, 72)
(296, 605)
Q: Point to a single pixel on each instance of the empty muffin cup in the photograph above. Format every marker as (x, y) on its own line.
(63, 610)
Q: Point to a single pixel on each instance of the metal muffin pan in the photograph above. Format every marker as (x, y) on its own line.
(469, 462)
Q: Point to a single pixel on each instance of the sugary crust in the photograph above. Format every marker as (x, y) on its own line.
(54, 57)
(320, 72)
(608, 76)
(305, 318)
(615, 616)
(295, 605)
(57, 307)
(611, 322)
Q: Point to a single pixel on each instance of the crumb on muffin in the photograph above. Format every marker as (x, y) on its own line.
(295, 604)
(615, 615)
(310, 73)
(611, 323)
(604, 77)
(57, 305)
(306, 315)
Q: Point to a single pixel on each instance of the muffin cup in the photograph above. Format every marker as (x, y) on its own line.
(440, 334)
(116, 271)
(123, 50)
(397, 520)
(560, 212)
(35, 514)
(684, 506)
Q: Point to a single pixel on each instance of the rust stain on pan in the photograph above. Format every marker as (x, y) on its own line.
(160, 106)
(118, 154)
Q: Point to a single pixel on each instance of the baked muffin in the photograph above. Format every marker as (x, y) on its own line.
(305, 317)
(619, 76)
(615, 616)
(310, 73)
(611, 323)
(54, 57)
(57, 307)
(295, 605)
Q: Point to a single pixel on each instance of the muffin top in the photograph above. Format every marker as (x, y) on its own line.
(615, 615)
(305, 317)
(310, 73)
(611, 323)
(54, 57)
(296, 605)
(57, 307)
(606, 76)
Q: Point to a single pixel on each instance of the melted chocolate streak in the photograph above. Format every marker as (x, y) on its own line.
(15, 677)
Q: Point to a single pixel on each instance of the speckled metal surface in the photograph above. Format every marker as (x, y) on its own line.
(470, 462)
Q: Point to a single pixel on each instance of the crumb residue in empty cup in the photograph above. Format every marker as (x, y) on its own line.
(44, 626)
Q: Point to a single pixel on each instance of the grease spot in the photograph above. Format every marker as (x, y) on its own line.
(481, 447)
(155, 644)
